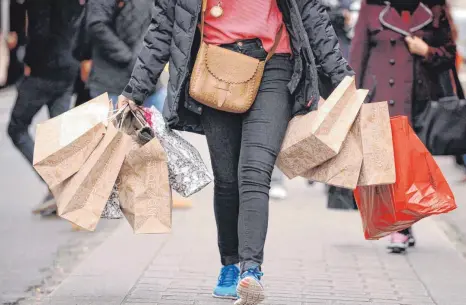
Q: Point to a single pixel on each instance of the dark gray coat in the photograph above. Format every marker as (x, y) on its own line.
(116, 30)
(51, 28)
(173, 37)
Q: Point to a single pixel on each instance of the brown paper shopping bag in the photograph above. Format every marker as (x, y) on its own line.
(82, 198)
(366, 157)
(318, 136)
(65, 142)
(344, 169)
(378, 166)
(144, 189)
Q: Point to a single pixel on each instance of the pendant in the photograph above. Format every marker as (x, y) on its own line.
(216, 11)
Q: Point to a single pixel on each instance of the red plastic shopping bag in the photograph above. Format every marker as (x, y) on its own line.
(420, 189)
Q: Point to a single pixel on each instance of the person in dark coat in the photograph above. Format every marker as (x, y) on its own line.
(16, 42)
(243, 147)
(339, 13)
(398, 51)
(51, 26)
(116, 29)
(306, 20)
(340, 16)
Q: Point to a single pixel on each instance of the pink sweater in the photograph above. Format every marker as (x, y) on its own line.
(246, 19)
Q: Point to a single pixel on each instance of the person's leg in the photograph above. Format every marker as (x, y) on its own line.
(61, 101)
(401, 240)
(264, 128)
(223, 133)
(278, 190)
(82, 93)
(59, 93)
(32, 95)
(30, 100)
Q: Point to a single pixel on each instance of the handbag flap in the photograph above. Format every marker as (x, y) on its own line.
(229, 66)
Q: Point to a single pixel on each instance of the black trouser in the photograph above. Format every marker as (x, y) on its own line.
(82, 93)
(243, 149)
(33, 94)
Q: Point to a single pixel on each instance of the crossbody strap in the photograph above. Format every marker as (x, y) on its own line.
(278, 37)
(459, 87)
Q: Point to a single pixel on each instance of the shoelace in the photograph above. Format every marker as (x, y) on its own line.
(254, 272)
(228, 276)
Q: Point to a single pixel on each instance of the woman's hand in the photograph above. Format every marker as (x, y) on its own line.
(12, 40)
(123, 101)
(417, 46)
(86, 66)
(27, 70)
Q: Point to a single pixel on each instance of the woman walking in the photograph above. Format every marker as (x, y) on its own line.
(243, 146)
(398, 52)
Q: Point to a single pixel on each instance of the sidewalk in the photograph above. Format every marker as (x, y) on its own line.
(313, 256)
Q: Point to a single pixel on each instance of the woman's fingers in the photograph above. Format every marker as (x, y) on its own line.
(123, 101)
(417, 46)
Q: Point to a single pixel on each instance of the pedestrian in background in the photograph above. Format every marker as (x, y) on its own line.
(51, 27)
(340, 17)
(82, 53)
(243, 147)
(398, 52)
(15, 40)
(116, 29)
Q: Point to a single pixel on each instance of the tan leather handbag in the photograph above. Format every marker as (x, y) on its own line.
(226, 80)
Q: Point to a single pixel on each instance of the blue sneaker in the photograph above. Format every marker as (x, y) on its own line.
(250, 290)
(227, 283)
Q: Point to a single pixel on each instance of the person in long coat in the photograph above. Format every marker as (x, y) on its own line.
(398, 52)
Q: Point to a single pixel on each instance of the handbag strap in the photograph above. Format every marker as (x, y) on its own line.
(459, 87)
(278, 37)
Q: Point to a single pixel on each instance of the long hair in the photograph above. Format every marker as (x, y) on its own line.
(453, 27)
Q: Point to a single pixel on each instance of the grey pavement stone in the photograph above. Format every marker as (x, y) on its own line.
(112, 269)
(36, 253)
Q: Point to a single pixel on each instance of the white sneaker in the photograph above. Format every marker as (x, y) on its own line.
(278, 192)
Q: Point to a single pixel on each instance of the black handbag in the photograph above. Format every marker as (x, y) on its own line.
(442, 124)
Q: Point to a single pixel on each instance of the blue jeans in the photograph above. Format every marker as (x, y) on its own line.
(113, 97)
(157, 99)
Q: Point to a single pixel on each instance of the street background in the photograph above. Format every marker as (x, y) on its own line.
(318, 252)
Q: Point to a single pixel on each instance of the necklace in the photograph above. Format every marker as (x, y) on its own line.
(217, 10)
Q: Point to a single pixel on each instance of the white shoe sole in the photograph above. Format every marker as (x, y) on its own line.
(250, 292)
(397, 247)
(278, 193)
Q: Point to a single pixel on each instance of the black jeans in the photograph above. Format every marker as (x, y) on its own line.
(33, 94)
(82, 93)
(243, 149)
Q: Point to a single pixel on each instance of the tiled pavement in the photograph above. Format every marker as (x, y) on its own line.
(313, 256)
